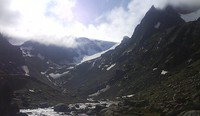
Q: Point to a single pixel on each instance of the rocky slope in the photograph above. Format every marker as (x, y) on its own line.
(49, 63)
(18, 89)
(63, 55)
(159, 63)
(155, 72)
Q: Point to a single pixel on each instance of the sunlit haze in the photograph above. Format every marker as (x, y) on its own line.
(57, 21)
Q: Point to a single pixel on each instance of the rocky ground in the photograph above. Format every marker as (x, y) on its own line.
(125, 107)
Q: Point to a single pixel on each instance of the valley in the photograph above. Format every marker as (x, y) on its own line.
(155, 72)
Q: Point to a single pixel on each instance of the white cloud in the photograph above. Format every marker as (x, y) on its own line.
(191, 16)
(6, 15)
(63, 9)
(53, 21)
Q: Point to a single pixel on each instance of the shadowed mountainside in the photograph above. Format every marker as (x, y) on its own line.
(159, 63)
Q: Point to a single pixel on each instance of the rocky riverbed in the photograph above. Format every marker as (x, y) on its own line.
(78, 109)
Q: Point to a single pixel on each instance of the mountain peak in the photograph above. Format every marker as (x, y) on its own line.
(153, 8)
(156, 20)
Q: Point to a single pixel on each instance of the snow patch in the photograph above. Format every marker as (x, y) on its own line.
(87, 58)
(58, 75)
(93, 64)
(43, 73)
(40, 56)
(157, 26)
(30, 90)
(129, 96)
(110, 67)
(155, 69)
(90, 99)
(71, 67)
(87, 52)
(164, 72)
(26, 70)
(190, 60)
(191, 16)
(100, 91)
(26, 51)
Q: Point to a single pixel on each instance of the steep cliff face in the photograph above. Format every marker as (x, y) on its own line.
(156, 21)
(162, 54)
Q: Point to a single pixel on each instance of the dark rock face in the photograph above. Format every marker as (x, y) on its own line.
(163, 42)
(11, 58)
(61, 108)
(162, 18)
(130, 52)
(98, 108)
(6, 94)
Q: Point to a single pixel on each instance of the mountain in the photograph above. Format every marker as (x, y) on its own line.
(28, 72)
(18, 86)
(159, 63)
(65, 55)
(155, 21)
(50, 62)
(155, 72)
(11, 60)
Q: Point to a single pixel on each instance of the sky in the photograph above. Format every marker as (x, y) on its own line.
(59, 21)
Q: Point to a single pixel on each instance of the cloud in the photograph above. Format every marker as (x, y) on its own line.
(189, 9)
(6, 15)
(59, 21)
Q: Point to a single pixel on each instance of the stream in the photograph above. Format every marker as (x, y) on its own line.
(80, 111)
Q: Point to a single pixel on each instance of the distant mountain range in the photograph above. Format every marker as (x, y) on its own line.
(51, 61)
(65, 55)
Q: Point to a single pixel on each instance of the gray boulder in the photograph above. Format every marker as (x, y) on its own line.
(61, 107)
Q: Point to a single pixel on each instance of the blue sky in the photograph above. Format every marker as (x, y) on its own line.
(88, 11)
(59, 21)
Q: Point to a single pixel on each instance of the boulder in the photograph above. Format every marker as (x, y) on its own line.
(44, 105)
(98, 108)
(73, 109)
(77, 106)
(61, 107)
